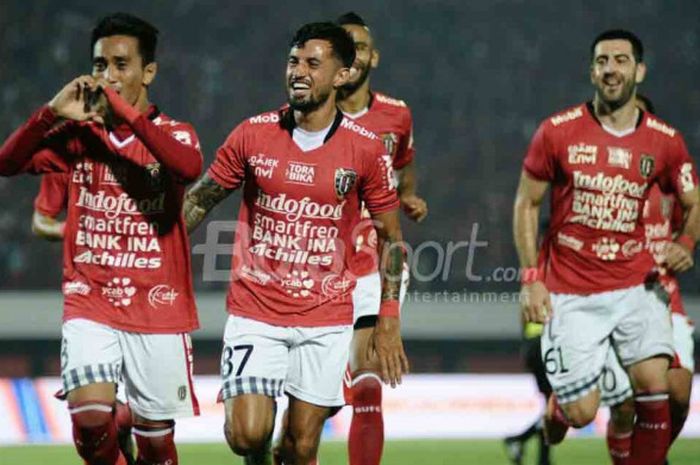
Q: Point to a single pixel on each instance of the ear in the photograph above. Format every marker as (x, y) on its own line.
(640, 73)
(374, 60)
(342, 76)
(149, 73)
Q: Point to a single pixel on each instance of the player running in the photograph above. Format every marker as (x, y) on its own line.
(601, 159)
(304, 170)
(391, 120)
(128, 300)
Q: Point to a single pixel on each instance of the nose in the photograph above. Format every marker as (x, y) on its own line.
(109, 74)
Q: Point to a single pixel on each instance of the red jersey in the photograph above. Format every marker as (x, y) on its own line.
(294, 235)
(662, 217)
(126, 250)
(52, 198)
(599, 184)
(391, 120)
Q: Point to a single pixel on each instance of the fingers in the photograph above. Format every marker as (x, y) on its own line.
(384, 368)
(677, 258)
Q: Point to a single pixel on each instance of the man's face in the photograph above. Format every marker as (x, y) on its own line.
(615, 72)
(366, 56)
(313, 73)
(117, 60)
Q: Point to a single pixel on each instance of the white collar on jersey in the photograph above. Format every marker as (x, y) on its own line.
(120, 144)
(307, 140)
(616, 133)
(358, 114)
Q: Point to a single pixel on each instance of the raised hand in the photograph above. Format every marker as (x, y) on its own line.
(73, 101)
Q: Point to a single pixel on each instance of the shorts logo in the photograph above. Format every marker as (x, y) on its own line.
(646, 165)
(182, 392)
(162, 294)
(606, 248)
(344, 181)
(119, 292)
(620, 158)
(298, 283)
(582, 154)
(76, 287)
(300, 173)
(334, 284)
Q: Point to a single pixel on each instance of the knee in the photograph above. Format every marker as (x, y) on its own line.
(303, 446)
(580, 414)
(245, 439)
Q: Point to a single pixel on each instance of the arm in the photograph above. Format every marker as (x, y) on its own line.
(679, 254)
(534, 296)
(46, 227)
(199, 201)
(183, 160)
(414, 206)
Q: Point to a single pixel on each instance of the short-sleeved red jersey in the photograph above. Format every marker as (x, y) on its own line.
(663, 217)
(599, 184)
(126, 250)
(52, 198)
(391, 120)
(293, 241)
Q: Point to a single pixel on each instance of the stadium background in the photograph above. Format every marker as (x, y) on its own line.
(479, 76)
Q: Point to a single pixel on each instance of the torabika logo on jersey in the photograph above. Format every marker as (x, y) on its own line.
(344, 181)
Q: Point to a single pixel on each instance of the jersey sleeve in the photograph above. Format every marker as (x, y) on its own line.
(229, 167)
(540, 160)
(53, 194)
(378, 188)
(405, 151)
(680, 175)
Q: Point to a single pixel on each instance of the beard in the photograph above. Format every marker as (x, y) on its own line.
(615, 102)
(351, 87)
(310, 104)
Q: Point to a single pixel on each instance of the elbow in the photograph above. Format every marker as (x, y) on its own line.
(191, 172)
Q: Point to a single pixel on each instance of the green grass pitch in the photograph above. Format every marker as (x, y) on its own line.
(428, 452)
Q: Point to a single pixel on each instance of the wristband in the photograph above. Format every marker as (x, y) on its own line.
(686, 241)
(389, 308)
(62, 229)
(530, 275)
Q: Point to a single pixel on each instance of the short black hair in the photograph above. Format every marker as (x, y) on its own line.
(351, 18)
(621, 34)
(647, 103)
(341, 42)
(128, 25)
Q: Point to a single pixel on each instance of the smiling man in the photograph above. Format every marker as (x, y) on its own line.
(128, 298)
(601, 160)
(305, 170)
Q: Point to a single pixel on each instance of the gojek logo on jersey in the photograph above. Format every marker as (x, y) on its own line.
(113, 206)
(294, 209)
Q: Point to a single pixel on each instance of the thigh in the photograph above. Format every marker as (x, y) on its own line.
(317, 363)
(90, 354)
(158, 375)
(575, 344)
(250, 415)
(644, 329)
(305, 420)
(366, 296)
(255, 358)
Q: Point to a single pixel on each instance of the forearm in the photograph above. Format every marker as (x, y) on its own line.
(184, 161)
(691, 225)
(407, 180)
(525, 218)
(18, 149)
(200, 200)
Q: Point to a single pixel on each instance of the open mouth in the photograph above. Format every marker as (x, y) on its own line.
(299, 88)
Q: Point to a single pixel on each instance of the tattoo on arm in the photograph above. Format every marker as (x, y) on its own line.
(199, 201)
(392, 267)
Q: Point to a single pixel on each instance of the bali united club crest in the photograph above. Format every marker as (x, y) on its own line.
(646, 165)
(390, 140)
(344, 181)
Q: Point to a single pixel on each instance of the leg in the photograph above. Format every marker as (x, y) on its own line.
(156, 441)
(619, 433)
(125, 421)
(366, 438)
(300, 443)
(680, 382)
(250, 419)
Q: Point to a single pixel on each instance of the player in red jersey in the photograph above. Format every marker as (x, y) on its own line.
(391, 120)
(601, 159)
(304, 170)
(128, 299)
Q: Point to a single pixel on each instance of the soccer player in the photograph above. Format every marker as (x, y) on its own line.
(391, 120)
(128, 299)
(304, 170)
(601, 158)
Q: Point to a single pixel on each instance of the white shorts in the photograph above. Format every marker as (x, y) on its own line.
(156, 368)
(305, 362)
(367, 295)
(576, 341)
(683, 341)
(614, 383)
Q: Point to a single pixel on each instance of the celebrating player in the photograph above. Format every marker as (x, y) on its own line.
(391, 120)
(129, 303)
(601, 159)
(305, 170)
